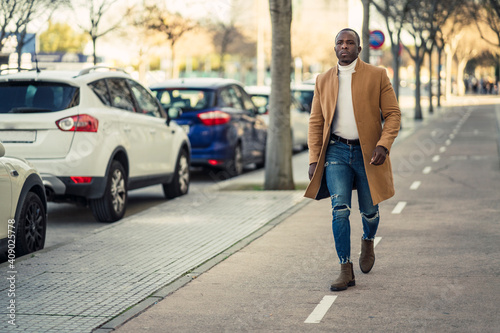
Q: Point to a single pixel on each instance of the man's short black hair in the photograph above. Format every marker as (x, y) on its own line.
(351, 30)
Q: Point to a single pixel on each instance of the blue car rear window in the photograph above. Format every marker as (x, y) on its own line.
(186, 99)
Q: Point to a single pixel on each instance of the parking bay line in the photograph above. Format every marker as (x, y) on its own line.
(320, 310)
(399, 207)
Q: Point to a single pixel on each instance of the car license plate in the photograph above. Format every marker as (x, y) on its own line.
(185, 128)
(17, 136)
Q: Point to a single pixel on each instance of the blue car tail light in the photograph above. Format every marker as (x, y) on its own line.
(216, 117)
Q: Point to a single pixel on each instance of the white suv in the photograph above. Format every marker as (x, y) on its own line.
(93, 135)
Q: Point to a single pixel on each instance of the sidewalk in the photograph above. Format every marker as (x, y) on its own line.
(437, 268)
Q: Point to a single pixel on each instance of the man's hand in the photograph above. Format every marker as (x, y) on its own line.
(379, 156)
(312, 168)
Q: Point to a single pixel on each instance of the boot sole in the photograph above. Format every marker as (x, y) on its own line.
(350, 284)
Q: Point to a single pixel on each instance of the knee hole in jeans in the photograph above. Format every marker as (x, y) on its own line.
(370, 217)
(341, 210)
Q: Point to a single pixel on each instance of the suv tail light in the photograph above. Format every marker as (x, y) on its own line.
(81, 180)
(214, 118)
(81, 123)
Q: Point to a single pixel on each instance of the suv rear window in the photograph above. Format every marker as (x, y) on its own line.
(30, 97)
(186, 99)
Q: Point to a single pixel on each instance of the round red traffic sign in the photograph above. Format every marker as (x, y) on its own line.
(377, 39)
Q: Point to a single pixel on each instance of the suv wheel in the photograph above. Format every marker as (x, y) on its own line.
(180, 183)
(31, 225)
(111, 206)
(235, 166)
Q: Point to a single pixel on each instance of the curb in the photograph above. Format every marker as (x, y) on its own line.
(497, 112)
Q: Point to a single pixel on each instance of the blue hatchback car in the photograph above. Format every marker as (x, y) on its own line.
(222, 122)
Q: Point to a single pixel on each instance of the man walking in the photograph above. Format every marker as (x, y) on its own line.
(349, 148)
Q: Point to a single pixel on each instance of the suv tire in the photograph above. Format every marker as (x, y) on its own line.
(31, 225)
(111, 206)
(180, 183)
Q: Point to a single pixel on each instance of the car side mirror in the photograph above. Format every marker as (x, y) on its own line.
(2, 150)
(174, 112)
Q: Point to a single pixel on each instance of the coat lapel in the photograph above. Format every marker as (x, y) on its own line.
(332, 102)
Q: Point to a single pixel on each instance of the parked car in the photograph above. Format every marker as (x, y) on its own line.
(221, 120)
(299, 115)
(93, 135)
(304, 94)
(23, 207)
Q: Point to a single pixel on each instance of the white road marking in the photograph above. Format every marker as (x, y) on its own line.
(447, 142)
(436, 158)
(415, 185)
(452, 136)
(320, 310)
(442, 149)
(427, 170)
(399, 207)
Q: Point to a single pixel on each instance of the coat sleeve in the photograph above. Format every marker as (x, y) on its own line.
(316, 124)
(390, 111)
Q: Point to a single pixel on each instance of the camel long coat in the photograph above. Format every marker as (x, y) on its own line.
(372, 93)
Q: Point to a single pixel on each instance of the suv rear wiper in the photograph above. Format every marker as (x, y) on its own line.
(25, 109)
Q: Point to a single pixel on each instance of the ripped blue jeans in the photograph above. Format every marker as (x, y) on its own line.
(343, 168)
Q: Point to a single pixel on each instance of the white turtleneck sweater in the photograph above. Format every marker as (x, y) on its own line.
(344, 123)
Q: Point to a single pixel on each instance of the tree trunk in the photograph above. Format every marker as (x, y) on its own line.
(440, 53)
(172, 61)
(279, 175)
(395, 65)
(449, 64)
(418, 107)
(460, 76)
(431, 108)
(365, 51)
(94, 53)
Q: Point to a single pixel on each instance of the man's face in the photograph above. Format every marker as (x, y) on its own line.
(346, 47)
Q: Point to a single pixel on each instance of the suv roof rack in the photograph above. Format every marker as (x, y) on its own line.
(95, 68)
(11, 70)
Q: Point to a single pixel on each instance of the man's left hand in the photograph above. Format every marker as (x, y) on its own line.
(379, 156)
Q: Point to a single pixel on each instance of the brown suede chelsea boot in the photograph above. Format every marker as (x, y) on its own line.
(345, 279)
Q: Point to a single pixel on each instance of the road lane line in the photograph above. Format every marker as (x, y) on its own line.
(447, 142)
(427, 170)
(415, 185)
(436, 158)
(399, 207)
(320, 310)
(442, 149)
